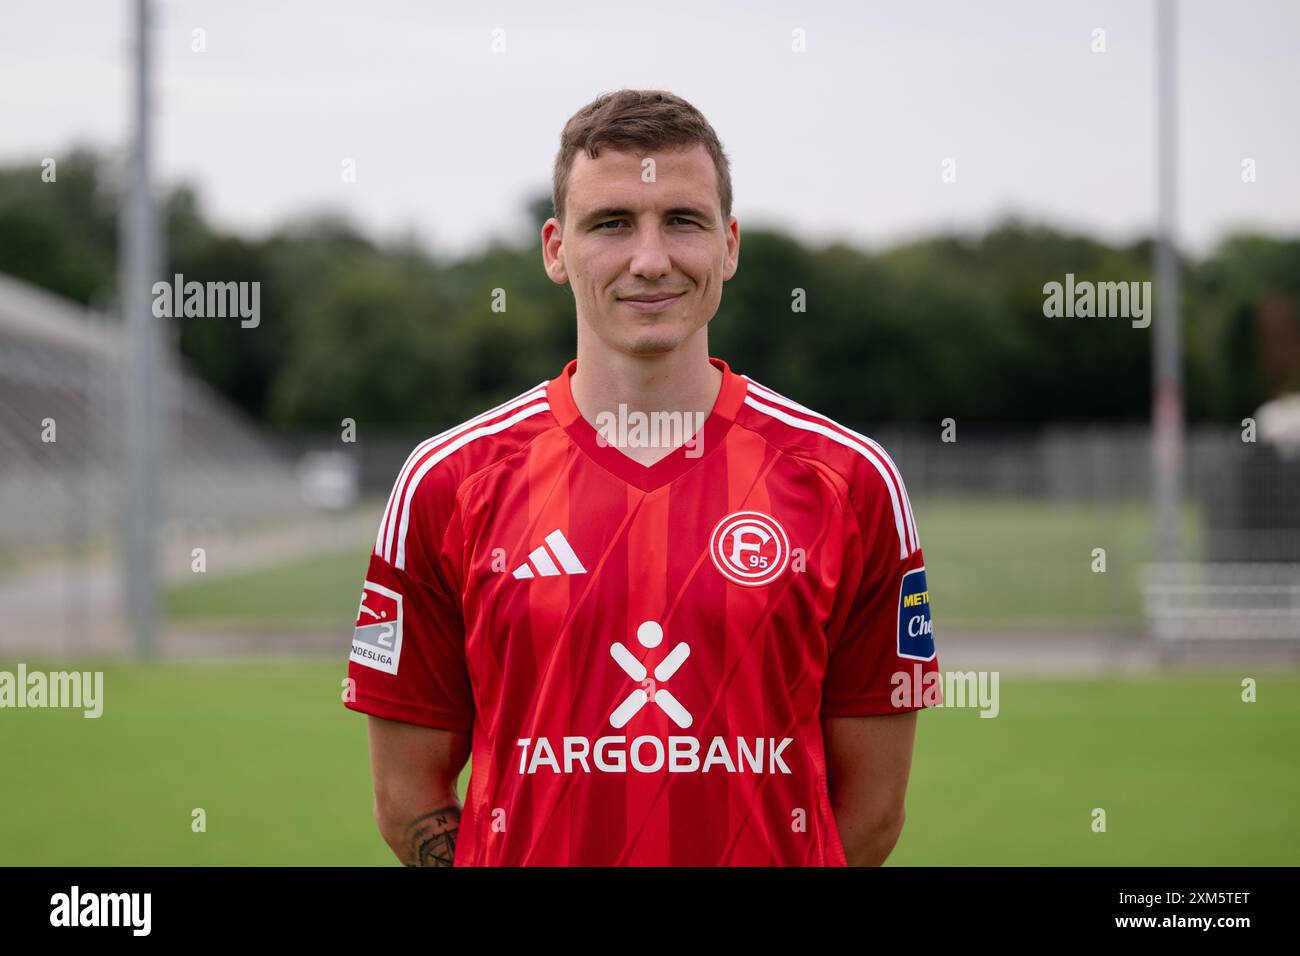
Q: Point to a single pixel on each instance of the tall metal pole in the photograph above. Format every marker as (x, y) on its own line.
(1167, 398)
(139, 271)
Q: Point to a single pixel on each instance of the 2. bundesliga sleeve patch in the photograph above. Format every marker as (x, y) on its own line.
(915, 630)
(377, 640)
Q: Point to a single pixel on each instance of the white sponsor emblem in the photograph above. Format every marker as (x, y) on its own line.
(650, 634)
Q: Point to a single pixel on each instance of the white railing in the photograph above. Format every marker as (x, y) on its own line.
(1233, 602)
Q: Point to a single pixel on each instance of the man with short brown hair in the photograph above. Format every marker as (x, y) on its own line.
(664, 606)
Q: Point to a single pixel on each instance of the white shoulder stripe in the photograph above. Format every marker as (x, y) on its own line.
(765, 392)
(904, 548)
(442, 453)
(387, 526)
(903, 543)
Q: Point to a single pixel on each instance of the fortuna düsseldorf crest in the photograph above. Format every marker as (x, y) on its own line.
(749, 548)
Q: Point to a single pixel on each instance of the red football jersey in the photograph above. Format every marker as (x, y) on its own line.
(644, 654)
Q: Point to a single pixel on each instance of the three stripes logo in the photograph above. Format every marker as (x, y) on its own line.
(542, 559)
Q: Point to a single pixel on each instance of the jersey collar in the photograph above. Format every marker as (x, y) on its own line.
(680, 460)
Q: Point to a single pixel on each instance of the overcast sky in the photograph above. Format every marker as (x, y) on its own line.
(846, 140)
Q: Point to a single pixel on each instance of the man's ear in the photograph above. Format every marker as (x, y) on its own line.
(553, 251)
(733, 249)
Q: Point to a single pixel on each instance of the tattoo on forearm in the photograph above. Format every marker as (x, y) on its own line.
(431, 838)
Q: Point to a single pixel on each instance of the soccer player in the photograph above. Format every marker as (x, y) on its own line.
(671, 616)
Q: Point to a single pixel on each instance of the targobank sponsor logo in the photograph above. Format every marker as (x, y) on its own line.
(647, 753)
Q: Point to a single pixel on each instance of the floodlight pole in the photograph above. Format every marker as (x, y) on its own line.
(143, 466)
(1166, 354)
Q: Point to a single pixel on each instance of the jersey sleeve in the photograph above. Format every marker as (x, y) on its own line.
(408, 658)
(881, 646)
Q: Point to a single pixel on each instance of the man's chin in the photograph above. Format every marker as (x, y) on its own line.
(653, 345)
(652, 335)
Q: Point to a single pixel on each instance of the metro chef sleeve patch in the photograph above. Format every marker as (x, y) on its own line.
(377, 640)
(915, 629)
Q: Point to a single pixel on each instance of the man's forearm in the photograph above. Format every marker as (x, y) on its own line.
(423, 839)
(868, 841)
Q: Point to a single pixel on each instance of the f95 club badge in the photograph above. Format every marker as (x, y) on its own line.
(915, 629)
(749, 548)
(377, 640)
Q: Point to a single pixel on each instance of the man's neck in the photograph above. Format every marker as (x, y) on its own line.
(683, 380)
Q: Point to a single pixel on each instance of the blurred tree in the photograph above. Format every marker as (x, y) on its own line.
(950, 326)
(61, 235)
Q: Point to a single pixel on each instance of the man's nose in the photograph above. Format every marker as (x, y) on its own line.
(650, 258)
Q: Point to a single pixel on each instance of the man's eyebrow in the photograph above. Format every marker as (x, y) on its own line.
(690, 212)
(619, 212)
(604, 212)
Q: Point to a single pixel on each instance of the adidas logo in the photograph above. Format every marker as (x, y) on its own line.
(540, 560)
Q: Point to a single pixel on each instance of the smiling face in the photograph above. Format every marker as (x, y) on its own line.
(646, 260)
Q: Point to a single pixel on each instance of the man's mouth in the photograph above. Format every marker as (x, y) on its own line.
(651, 302)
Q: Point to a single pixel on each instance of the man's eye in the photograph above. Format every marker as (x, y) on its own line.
(620, 222)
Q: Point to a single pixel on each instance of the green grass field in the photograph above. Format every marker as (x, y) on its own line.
(991, 564)
(1186, 772)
